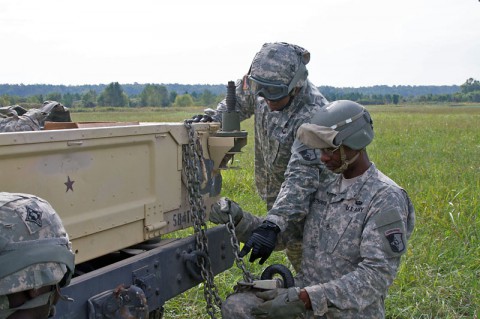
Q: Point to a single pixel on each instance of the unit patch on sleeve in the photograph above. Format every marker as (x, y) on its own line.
(395, 239)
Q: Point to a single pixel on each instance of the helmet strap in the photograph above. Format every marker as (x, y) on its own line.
(345, 162)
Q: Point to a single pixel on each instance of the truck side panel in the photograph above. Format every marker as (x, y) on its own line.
(112, 186)
(117, 190)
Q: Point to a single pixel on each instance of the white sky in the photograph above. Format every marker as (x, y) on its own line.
(352, 42)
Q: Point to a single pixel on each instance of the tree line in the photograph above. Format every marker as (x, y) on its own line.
(379, 95)
(114, 95)
(159, 95)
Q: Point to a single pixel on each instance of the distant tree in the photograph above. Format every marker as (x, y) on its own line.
(470, 85)
(388, 98)
(172, 96)
(184, 100)
(113, 95)
(54, 96)
(35, 99)
(154, 95)
(395, 98)
(89, 99)
(207, 98)
(473, 96)
(68, 99)
(4, 100)
(134, 101)
(7, 100)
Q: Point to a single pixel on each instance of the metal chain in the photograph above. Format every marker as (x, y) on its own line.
(247, 276)
(192, 155)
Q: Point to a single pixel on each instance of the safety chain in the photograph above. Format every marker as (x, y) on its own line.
(247, 276)
(192, 155)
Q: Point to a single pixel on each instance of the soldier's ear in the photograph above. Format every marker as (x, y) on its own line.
(306, 57)
(33, 293)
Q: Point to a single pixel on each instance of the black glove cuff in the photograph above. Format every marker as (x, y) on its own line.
(270, 226)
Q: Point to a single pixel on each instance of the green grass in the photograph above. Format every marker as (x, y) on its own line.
(431, 151)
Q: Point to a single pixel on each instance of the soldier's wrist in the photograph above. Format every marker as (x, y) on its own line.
(303, 296)
(270, 226)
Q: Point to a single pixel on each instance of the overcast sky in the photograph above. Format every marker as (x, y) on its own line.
(352, 42)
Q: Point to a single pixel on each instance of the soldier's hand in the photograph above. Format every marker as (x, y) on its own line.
(262, 242)
(222, 209)
(280, 304)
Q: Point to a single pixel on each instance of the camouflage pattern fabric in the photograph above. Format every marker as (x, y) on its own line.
(28, 225)
(274, 136)
(31, 121)
(17, 119)
(278, 63)
(274, 132)
(304, 173)
(352, 244)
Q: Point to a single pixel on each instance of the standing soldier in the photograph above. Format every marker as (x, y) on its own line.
(277, 92)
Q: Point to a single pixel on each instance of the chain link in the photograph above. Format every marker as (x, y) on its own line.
(247, 276)
(192, 157)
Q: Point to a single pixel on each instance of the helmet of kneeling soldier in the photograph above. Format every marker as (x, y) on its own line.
(35, 250)
(338, 123)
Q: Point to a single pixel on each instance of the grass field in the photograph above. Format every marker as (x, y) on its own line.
(431, 151)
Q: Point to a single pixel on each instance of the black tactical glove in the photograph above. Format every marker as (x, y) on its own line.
(200, 118)
(262, 242)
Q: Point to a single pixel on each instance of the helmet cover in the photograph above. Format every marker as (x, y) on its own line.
(279, 62)
(340, 122)
(35, 250)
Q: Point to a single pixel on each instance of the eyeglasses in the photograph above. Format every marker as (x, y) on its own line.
(329, 151)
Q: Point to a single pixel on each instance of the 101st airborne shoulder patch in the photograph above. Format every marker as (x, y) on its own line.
(395, 239)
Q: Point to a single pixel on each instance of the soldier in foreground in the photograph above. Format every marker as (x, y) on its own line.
(15, 118)
(355, 229)
(277, 92)
(35, 257)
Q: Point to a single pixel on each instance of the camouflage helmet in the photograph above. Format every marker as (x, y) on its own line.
(280, 64)
(340, 122)
(35, 250)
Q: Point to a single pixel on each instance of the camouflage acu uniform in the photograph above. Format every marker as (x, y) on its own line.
(10, 121)
(274, 133)
(16, 119)
(352, 244)
(304, 173)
